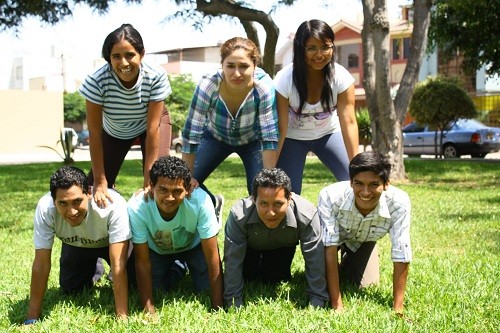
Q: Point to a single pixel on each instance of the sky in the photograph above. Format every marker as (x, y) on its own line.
(81, 36)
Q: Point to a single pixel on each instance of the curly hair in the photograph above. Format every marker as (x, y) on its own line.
(170, 167)
(67, 176)
(274, 178)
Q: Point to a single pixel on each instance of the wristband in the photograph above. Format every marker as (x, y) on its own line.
(30, 321)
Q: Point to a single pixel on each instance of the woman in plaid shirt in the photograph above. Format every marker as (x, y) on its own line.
(232, 111)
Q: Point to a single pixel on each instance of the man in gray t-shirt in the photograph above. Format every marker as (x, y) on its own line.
(87, 233)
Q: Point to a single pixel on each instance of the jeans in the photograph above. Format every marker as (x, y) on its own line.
(164, 276)
(212, 152)
(330, 150)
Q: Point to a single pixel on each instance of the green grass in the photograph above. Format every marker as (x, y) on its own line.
(453, 282)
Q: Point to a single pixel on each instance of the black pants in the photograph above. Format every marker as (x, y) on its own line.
(268, 266)
(78, 265)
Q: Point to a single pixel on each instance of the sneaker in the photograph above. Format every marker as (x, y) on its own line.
(99, 270)
(219, 204)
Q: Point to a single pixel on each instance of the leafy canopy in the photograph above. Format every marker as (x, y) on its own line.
(440, 100)
(471, 27)
(74, 107)
(179, 100)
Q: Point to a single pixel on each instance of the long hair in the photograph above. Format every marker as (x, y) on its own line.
(322, 31)
(126, 32)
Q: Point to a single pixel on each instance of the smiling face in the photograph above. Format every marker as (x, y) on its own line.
(126, 62)
(169, 194)
(238, 70)
(368, 187)
(271, 205)
(318, 53)
(72, 204)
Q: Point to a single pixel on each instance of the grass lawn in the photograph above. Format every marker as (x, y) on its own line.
(452, 287)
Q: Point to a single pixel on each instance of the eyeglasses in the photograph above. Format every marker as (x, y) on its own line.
(325, 49)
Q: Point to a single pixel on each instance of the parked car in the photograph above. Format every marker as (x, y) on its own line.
(463, 137)
(177, 145)
(83, 138)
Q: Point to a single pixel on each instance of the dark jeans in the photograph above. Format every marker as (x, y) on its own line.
(268, 266)
(78, 265)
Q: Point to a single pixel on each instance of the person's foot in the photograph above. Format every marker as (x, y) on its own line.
(219, 205)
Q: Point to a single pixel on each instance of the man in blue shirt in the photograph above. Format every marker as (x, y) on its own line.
(178, 225)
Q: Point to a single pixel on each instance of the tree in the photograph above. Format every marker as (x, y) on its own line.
(439, 102)
(387, 115)
(468, 27)
(179, 100)
(74, 107)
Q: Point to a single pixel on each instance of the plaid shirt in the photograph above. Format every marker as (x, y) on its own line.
(343, 224)
(256, 120)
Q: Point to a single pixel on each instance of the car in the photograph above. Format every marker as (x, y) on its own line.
(83, 138)
(461, 137)
(177, 145)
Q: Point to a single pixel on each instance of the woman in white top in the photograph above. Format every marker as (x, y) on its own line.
(315, 99)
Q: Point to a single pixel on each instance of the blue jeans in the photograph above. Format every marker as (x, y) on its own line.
(164, 276)
(212, 152)
(330, 150)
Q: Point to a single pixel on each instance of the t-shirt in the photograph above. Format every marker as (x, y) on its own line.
(314, 122)
(101, 226)
(195, 220)
(125, 110)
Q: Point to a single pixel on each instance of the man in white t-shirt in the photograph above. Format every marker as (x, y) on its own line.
(87, 233)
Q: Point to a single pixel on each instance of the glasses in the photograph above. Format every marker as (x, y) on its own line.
(314, 49)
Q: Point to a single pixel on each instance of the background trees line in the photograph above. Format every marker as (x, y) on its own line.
(478, 41)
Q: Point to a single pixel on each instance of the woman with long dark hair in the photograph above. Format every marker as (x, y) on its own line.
(315, 97)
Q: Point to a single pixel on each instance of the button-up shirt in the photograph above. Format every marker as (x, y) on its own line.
(245, 228)
(256, 119)
(344, 224)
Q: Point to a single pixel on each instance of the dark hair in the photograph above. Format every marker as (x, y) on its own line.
(274, 178)
(322, 31)
(235, 43)
(170, 167)
(125, 32)
(67, 176)
(370, 161)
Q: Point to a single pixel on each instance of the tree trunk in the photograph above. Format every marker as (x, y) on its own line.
(227, 7)
(387, 121)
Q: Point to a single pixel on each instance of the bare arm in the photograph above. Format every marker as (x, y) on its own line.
(118, 253)
(332, 277)
(399, 279)
(94, 123)
(144, 280)
(348, 124)
(283, 106)
(211, 253)
(39, 277)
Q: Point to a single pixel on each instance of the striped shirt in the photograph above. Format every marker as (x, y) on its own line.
(125, 110)
(256, 120)
(343, 224)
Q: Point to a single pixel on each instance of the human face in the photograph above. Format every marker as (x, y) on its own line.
(126, 62)
(72, 204)
(368, 187)
(238, 70)
(271, 205)
(169, 194)
(323, 55)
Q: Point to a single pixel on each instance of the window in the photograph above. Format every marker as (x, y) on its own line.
(353, 61)
(406, 47)
(395, 49)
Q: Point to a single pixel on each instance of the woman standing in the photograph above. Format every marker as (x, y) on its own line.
(315, 106)
(232, 111)
(124, 102)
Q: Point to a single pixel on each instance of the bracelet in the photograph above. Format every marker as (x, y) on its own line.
(30, 321)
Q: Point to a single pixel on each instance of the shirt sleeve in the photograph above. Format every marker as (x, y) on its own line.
(267, 113)
(91, 90)
(198, 114)
(44, 231)
(327, 217)
(119, 226)
(207, 220)
(400, 230)
(160, 87)
(138, 225)
(235, 246)
(311, 244)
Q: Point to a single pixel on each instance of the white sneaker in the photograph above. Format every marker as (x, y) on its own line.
(219, 205)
